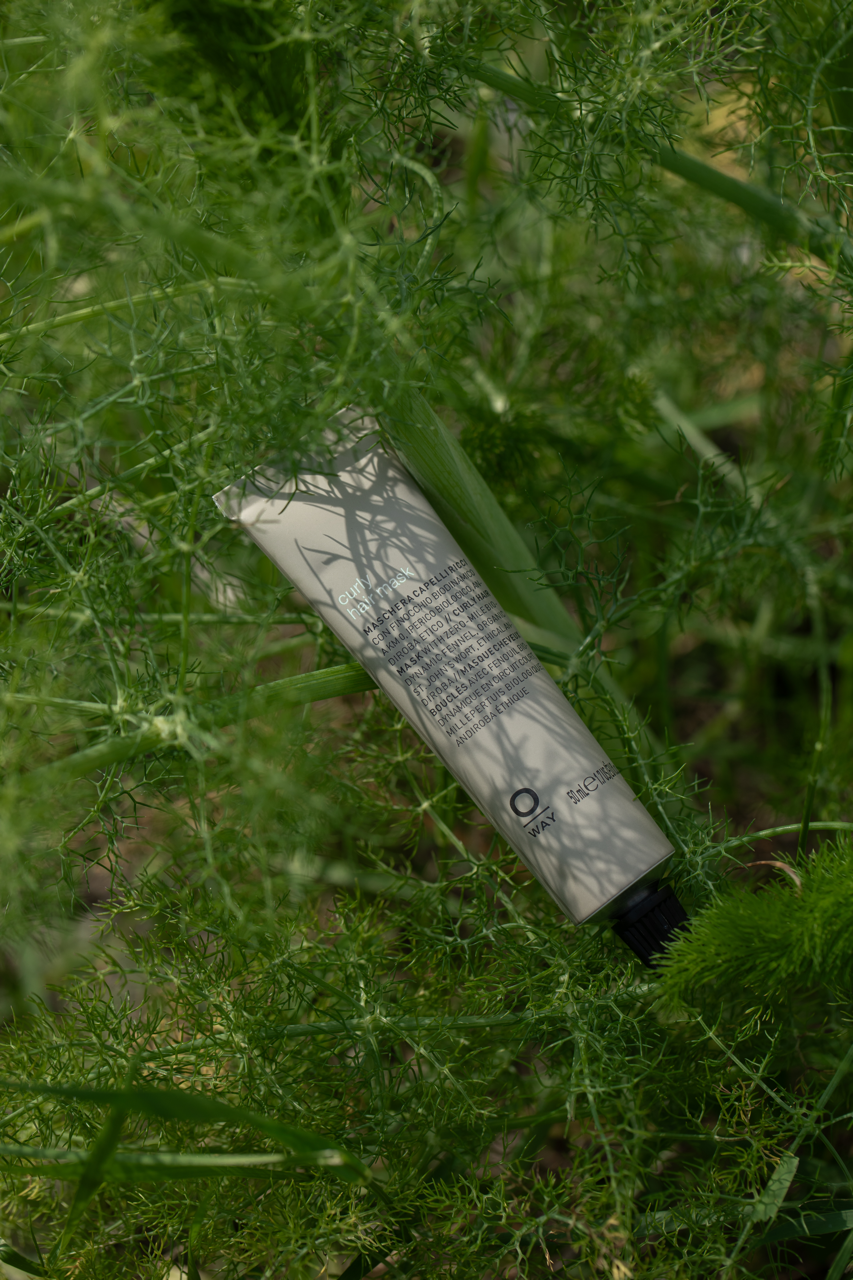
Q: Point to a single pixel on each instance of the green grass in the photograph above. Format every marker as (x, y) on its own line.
(275, 1001)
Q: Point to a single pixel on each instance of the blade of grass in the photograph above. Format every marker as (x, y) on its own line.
(156, 1166)
(768, 1204)
(193, 1238)
(839, 1266)
(91, 1176)
(11, 1258)
(195, 1108)
(473, 514)
(808, 1223)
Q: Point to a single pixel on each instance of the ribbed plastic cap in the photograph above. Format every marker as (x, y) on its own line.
(648, 926)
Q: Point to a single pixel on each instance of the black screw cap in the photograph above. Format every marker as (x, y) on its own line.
(648, 926)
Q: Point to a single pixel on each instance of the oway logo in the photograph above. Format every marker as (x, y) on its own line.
(525, 804)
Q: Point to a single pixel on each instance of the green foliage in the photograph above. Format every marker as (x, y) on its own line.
(775, 948)
(275, 1000)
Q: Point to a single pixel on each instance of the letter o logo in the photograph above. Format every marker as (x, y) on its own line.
(514, 798)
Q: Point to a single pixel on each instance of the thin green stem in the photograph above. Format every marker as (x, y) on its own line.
(186, 586)
(112, 307)
(437, 203)
(163, 732)
(789, 828)
(820, 236)
(825, 715)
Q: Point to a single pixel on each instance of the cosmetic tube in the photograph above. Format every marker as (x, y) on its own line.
(362, 544)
